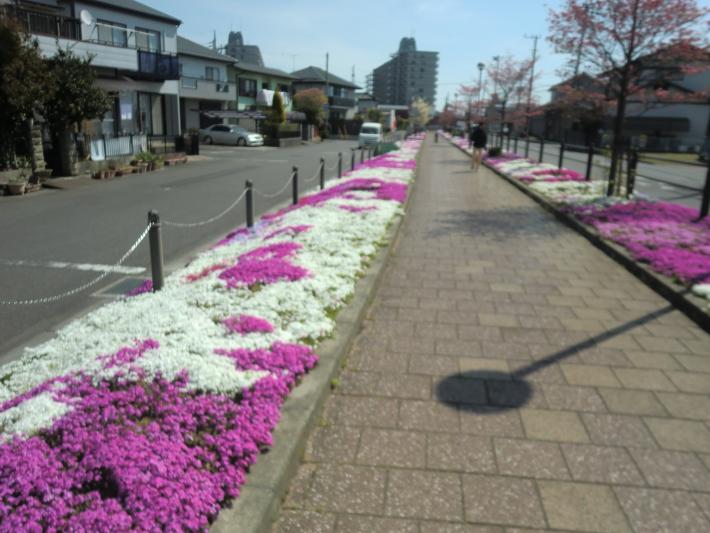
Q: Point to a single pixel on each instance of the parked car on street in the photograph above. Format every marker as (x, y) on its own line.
(370, 134)
(226, 134)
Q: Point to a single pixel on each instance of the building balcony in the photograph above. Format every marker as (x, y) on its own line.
(203, 89)
(341, 102)
(37, 23)
(157, 66)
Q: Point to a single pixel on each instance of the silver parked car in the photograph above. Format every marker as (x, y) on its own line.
(226, 134)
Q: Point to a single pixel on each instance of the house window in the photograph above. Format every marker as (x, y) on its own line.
(148, 40)
(112, 33)
(211, 73)
(247, 87)
(264, 85)
(283, 88)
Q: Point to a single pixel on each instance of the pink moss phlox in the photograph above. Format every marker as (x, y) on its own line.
(662, 234)
(287, 361)
(382, 190)
(267, 264)
(145, 286)
(128, 354)
(243, 234)
(191, 278)
(244, 324)
(289, 230)
(137, 456)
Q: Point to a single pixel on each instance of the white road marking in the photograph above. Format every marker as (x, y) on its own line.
(85, 267)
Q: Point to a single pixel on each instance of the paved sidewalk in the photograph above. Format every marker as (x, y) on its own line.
(509, 375)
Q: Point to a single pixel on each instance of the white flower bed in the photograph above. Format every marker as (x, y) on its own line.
(185, 318)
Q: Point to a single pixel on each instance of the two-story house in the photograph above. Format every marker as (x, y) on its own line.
(256, 86)
(204, 84)
(342, 104)
(133, 49)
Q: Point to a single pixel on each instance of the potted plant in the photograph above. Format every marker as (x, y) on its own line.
(17, 184)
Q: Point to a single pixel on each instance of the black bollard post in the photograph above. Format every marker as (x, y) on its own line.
(352, 159)
(294, 184)
(631, 172)
(340, 165)
(527, 146)
(515, 145)
(362, 155)
(248, 185)
(705, 203)
(590, 160)
(156, 250)
(322, 173)
(542, 150)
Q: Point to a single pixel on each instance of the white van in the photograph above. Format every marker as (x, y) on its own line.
(370, 134)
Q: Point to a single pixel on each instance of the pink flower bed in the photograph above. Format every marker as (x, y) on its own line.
(131, 448)
(662, 234)
(144, 455)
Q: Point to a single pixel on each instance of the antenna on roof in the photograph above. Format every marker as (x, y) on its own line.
(214, 39)
(353, 75)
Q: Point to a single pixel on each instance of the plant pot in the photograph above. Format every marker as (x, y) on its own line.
(15, 189)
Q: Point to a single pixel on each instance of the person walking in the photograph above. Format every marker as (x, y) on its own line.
(479, 139)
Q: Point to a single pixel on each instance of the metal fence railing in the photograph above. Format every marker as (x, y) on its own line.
(682, 172)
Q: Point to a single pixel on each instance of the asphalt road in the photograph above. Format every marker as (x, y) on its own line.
(56, 240)
(673, 182)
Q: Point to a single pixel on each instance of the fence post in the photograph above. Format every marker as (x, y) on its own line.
(248, 185)
(562, 154)
(705, 204)
(352, 159)
(631, 172)
(322, 173)
(507, 146)
(156, 250)
(515, 145)
(527, 145)
(362, 155)
(294, 184)
(542, 150)
(590, 161)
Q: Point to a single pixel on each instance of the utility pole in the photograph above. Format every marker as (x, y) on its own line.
(327, 91)
(530, 86)
(480, 66)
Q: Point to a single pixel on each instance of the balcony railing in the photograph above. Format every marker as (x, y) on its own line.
(157, 66)
(43, 23)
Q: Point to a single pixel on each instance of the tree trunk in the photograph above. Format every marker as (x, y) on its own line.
(67, 154)
(617, 147)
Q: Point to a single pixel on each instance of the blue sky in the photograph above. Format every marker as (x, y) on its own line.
(363, 33)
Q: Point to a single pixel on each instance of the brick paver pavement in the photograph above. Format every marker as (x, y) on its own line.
(509, 377)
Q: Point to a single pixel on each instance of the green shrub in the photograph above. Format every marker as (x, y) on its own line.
(383, 148)
(494, 152)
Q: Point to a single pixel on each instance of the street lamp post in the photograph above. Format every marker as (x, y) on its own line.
(480, 66)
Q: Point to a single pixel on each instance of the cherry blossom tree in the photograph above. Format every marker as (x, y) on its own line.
(509, 76)
(612, 37)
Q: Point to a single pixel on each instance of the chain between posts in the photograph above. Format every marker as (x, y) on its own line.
(57, 297)
(279, 192)
(209, 220)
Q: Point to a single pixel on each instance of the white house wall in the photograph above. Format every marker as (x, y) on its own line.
(168, 31)
(697, 115)
(193, 67)
(102, 56)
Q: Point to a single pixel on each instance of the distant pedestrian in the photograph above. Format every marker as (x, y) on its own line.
(479, 139)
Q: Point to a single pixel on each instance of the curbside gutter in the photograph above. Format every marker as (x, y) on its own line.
(259, 502)
(681, 297)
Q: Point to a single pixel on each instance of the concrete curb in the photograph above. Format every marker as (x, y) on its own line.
(259, 502)
(680, 297)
